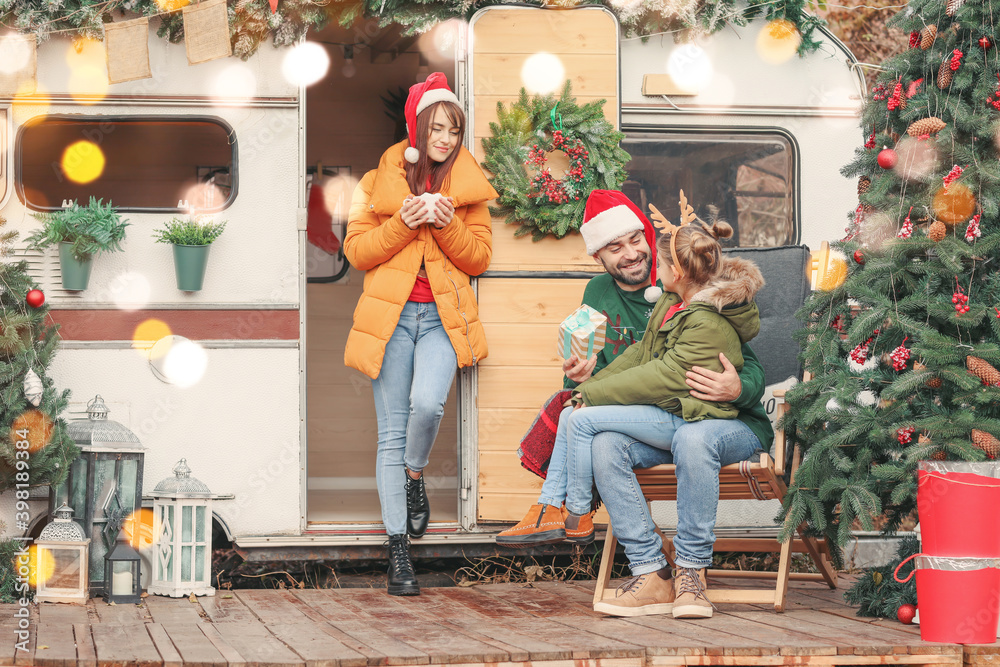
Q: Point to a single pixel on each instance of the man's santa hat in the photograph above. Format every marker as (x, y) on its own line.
(610, 215)
(422, 95)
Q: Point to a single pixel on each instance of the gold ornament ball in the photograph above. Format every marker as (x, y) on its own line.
(954, 204)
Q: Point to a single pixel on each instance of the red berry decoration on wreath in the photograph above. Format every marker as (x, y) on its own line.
(960, 299)
(859, 256)
(860, 353)
(887, 158)
(911, 90)
(879, 92)
(905, 435)
(952, 176)
(906, 231)
(35, 298)
(973, 232)
(906, 613)
(838, 322)
(914, 39)
(985, 42)
(900, 356)
(871, 141)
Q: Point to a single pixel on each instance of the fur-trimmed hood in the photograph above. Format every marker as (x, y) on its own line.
(731, 294)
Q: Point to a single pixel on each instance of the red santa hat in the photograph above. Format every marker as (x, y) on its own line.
(422, 95)
(610, 215)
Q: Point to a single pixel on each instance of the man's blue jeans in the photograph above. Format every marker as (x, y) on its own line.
(698, 449)
(410, 392)
(570, 476)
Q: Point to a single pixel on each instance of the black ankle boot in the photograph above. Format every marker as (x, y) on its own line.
(418, 510)
(402, 580)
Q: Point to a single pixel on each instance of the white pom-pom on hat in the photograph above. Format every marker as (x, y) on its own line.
(652, 293)
(411, 154)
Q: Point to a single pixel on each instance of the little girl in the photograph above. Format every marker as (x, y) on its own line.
(707, 308)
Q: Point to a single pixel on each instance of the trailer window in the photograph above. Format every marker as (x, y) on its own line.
(749, 176)
(3, 154)
(137, 163)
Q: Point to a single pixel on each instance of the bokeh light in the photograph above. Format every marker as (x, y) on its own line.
(15, 52)
(172, 5)
(150, 330)
(444, 37)
(834, 275)
(954, 204)
(917, 159)
(130, 290)
(305, 64)
(876, 230)
(88, 77)
(337, 193)
(41, 565)
(543, 73)
(236, 81)
(178, 361)
(203, 196)
(83, 161)
(778, 41)
(141, 522)
(35, 427)
(690, 68)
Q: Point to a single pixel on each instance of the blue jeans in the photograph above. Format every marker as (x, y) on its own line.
(410, 392)
(570, 476)
(698, 449)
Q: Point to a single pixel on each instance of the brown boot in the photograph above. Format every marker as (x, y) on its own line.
(579, 529)
(690, 600)
(644, 595)
(543, 524)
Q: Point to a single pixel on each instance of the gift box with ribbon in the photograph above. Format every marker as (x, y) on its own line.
(582, 333)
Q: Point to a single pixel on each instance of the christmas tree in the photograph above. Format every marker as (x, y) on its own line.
(903, 351)
(35, 448)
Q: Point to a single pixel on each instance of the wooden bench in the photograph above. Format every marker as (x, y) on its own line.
(788, 274)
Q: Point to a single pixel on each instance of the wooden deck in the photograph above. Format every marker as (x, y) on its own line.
(510, 625)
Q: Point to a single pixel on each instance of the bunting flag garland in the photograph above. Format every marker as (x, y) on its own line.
(206, 31)
(127, 46)
(19, 55)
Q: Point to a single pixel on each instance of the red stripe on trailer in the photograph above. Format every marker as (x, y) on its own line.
(193, 324)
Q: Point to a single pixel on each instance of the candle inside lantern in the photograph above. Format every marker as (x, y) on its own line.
(122, 584)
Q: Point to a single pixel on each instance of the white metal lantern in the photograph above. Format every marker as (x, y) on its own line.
(182, 524)
(62, 547)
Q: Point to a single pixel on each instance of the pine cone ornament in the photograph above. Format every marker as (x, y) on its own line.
(986, 442)
(927, 36)
(982, 370)
(934, 382)
(931, 125)
(937, 231)
(945, 74)
(864, 185)
(953, 6)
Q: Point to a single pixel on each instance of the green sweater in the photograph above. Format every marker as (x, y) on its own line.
(629, 312)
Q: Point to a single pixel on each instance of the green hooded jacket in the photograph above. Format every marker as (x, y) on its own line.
(720, 318)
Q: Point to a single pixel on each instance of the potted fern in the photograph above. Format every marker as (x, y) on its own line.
(191, 239)
(81, 232)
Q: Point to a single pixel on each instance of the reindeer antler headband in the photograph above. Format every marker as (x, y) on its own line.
(666, 227)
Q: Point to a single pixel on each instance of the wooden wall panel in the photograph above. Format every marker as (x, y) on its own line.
(521, 315)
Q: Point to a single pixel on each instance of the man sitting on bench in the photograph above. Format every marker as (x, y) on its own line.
(621, 295)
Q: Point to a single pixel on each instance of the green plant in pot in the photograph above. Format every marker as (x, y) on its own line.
(191, 239)
(81, 232)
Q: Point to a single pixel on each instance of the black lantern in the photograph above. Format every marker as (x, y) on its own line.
(104, 483)
(121, 573)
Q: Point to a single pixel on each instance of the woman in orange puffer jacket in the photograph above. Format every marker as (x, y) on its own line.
(417, 320)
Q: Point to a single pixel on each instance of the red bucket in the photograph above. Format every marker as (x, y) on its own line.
(957, 503)
(958, 598)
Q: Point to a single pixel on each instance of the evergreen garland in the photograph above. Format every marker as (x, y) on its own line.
(902, 287)
(27, 343)
(527, 129)
(251, 22)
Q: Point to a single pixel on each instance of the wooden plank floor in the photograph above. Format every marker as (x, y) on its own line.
(547, 624)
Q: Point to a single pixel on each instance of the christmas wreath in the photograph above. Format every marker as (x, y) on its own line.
(517, 154)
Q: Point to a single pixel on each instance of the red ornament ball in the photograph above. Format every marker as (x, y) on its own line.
(887, 158)
(35, 298)
(906, 613)
(985, 43)
(859, 257)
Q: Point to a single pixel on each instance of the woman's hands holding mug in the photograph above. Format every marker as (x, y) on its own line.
(415, 212)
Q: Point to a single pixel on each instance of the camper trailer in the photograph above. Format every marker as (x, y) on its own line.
(261, 405)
